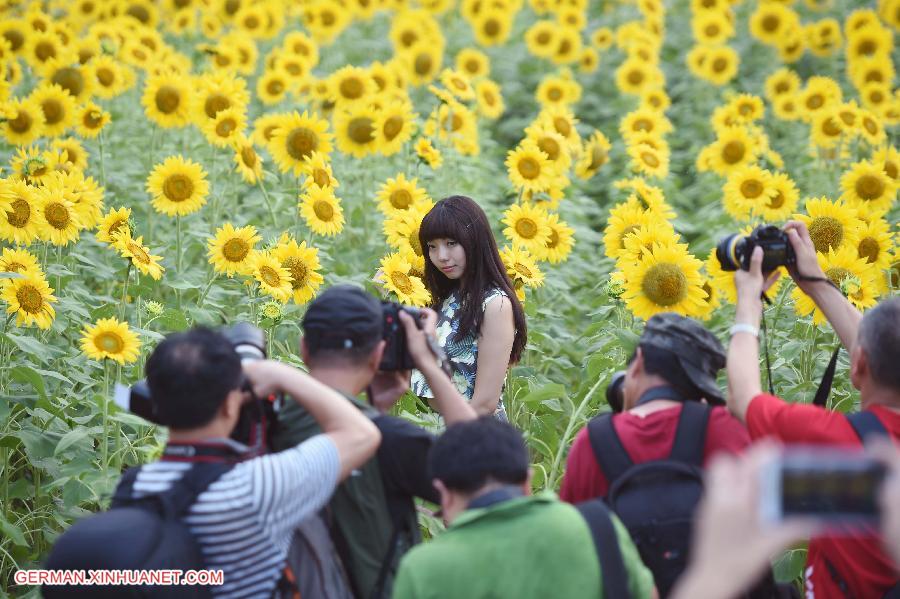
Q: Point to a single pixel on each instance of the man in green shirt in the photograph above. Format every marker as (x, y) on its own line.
(501, 541)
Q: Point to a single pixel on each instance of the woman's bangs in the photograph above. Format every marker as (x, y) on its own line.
(441, 223)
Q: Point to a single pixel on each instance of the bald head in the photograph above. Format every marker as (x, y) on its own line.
(879, 337)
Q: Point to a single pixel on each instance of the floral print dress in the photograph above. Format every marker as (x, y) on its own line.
(462, 353)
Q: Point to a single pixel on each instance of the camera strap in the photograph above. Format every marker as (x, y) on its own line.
(222, 452)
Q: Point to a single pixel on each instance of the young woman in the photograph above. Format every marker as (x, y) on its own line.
(481, 323)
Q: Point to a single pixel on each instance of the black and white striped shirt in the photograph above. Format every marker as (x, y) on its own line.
(244, 521)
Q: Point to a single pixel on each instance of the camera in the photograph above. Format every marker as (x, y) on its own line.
(396, 354)
(615, 396)
(256, 424)
(735, 250)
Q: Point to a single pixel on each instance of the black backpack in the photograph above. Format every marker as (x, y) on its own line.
(656, 500)
(136, 534)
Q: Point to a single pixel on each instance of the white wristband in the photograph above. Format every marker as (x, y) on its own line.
(743, 327)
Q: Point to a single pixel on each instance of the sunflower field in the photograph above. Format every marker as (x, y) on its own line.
(177, 162)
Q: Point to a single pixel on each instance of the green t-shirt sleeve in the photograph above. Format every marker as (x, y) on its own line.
(640, 579)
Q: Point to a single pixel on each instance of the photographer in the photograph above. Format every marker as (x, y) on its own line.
(673, 416)
(243, 521)
(372, 515)
(851, 565)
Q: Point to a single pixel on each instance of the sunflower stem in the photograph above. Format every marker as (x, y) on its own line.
(105, 400)
(102, 163)
(178, 256)
(124, 292)
(206, 290)
(268, 201)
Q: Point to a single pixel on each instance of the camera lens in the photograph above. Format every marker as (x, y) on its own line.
(730, 250)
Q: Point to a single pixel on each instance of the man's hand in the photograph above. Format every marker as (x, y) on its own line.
(417, 339)
(387, 387)
(751, 284)
(266, 376)
(807, 261)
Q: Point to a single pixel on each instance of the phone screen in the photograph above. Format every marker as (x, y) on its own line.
(834, 487)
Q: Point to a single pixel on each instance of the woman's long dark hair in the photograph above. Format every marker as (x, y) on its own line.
(462, 219)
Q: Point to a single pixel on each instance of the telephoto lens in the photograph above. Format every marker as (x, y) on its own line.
(729, 251)
(734, 251)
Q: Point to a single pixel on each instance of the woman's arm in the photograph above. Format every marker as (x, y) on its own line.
(495, 343)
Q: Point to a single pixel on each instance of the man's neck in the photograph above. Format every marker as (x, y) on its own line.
(346, 380)
(879, 396)
(652, 381)
(213, 430)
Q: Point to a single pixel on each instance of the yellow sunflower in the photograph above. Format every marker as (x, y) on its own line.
(139, 254)
(457, 84)
(645, 197)
(109, 338)
(115, 221)
(832, 225)
(71, 152)
(57, 106)
(111, 78)
(397, 277)
(394, 126)
(473, 63)
(593, 157)
(61, 223)
(851, 273)
(781, 203)
(178, 186)
(19, 261)
(526, 225)
(826, 128)
(711, 27)
(560, 243)
(402, 230)
(166, 100)
(30, 299)
(875, 243)
(231, 249)
(91, 120)
(318, 173)
(889, 159)
(423, 61)
(733, 149)
(644, 121)
(247, 160)
(649, 161)
(23, 222)
(272, 86)
(302, 263)
(529, 168)
(745, 189)
(223, 129)
(400, 194)
(351, 86)
(427, 152)
(322, 211)
(542, 38)
(273, 278)
(771, 22)
(24, 122)
(871, 127)
(637, 241)
(296, 137)
(623, 221)
(665, 279)
(521, 267)
(781, 83)
(867, 186)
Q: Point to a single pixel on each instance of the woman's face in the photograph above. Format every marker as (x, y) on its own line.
(448, 256)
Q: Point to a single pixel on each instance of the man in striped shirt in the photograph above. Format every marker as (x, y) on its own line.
(244, 521)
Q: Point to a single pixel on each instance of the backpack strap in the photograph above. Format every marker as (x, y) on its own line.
(180, 496)
(608, 449)
(866, 424)
(606, 542)
(690, 435)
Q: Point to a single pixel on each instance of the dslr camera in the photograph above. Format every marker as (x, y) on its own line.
(735, 250)
(396, 354)
(256, 424)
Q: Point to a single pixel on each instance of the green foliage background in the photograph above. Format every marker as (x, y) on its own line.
(62, 443)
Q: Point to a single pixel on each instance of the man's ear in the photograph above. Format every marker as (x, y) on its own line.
(526, 486)
(376, 355)
(231, 407)
(304, 351)
(859, 366)
(636, 366)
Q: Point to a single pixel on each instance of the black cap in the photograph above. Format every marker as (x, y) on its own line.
(699, 352)
(342, 317)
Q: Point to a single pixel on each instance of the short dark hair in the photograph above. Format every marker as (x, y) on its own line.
(473, 453)
(351, 356)
(190, 374)
(879, 336)
(665, 364)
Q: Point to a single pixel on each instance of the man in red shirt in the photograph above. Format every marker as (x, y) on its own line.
(848, 566)
(676, 354)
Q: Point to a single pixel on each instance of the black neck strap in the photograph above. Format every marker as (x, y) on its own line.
(496, 496)
(661, 392)
(208, 452)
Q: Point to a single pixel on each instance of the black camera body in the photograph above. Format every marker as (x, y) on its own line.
(396, 354)
(256, 424)
(734, 251)
(615, 395)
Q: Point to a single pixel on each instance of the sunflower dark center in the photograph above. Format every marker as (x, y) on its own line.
(20, 215)
(30, 299)
(752, 188)
(826, 232)
(22, 123)
(301, 143)
(53, 110)
(734, 152)
(526, 228)
(214, 104)
(178, 188)
(401, 199)
(270, 276)
(664, 284)
(392, 127)
(70, 79)
(299, 271)
(869, 187)
(167, 99)
(248, 156)
(352, 88)
(109, 342)
(235, 250)
(324, 210)
(57, 215)
(361, 130)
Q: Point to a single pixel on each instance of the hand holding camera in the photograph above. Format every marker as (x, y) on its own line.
(418, 331)
(806, 268)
